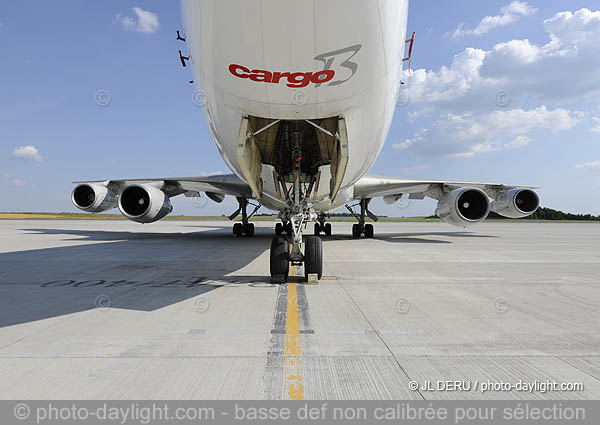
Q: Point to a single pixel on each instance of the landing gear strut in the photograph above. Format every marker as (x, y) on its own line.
(244, 228)
(360, 228)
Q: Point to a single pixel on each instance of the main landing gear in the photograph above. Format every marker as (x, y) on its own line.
(322, 227)
(281, 228)
(361, 228)
(244, 228)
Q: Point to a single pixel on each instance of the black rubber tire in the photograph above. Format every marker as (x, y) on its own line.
(318, 229)
(313, 256)
(288, 229)
(356, 231)
(369, 231)
(328, 229)
(249, 230)
(278, 229)
(280, 259)
(237, 229)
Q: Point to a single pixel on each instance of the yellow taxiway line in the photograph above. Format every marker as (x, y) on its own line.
(293, 368)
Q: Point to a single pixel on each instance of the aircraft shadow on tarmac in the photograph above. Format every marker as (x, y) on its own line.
(126, 270)
(137, 270)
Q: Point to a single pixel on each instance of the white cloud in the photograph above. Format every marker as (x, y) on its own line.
(461, 136)
(508, 14)
(421, 113)
(28, 153)
(144, 21)
(587, 165)
(19, 183)
(519, 142)
(513, 79)
(572, 29)
(418, 137)
(415, 169)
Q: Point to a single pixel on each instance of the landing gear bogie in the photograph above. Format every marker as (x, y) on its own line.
(368, 230)
(322, 227)
(239, 229)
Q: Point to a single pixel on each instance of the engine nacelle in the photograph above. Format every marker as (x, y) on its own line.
(94, 198)
(516, 203)
(144, 204)
(463, 207)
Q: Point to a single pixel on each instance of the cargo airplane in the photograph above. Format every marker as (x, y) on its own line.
(300, 96)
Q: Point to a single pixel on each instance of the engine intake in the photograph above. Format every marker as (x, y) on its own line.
(463, 207)
(94, 198)
(516, 203)
(144, 204)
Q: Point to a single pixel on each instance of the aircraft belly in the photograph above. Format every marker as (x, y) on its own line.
(333, 58)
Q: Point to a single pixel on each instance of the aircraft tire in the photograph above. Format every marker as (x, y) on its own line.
(280, 259)
(313, 256)
(318, 229)
(369, 231)
(238, 229)
(249, 230)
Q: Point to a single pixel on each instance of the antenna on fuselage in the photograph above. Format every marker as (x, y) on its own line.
(179, 37)
(410, 49)
(183, 59)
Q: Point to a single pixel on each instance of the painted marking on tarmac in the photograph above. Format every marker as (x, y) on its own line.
(273, 378)
(293, 367)
(291, 335)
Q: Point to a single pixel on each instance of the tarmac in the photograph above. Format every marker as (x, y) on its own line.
(184, 310)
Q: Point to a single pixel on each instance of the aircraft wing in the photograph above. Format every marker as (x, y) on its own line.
(224, 184)
(374, 186)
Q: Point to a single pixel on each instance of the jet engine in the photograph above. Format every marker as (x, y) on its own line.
(94, 198)
(463, 207)
(516, 203)
(144, 204)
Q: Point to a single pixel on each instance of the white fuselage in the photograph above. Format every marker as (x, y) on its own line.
(361, 41)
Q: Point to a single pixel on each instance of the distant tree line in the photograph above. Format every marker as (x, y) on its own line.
(550, 214)
(540, 214)
(332, 215)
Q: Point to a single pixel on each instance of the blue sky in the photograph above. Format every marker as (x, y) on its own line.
(478, 106)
